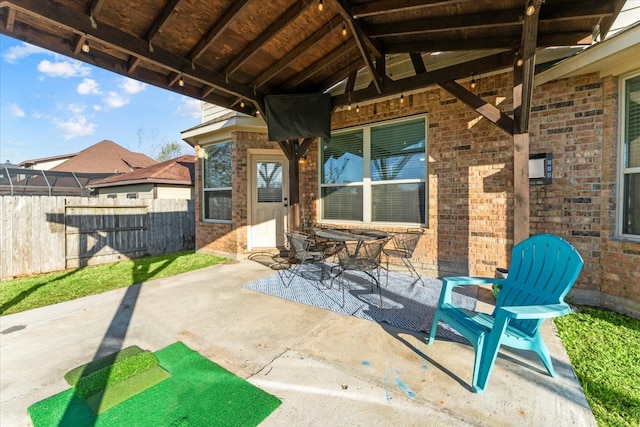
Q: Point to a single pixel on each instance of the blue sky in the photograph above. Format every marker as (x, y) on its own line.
(51, 104)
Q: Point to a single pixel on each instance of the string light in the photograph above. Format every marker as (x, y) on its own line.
(349, 107)
(402, 99)
(242, 103)
(531, 9)
(344, 29)
(320, 6)
(473, 81)
(85, 45)
(181, 81)
(357, 108)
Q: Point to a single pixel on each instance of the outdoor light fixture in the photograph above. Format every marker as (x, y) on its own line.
(344, 29)
(473, 82)
(320, 6)
(531, 9)
(181, 81)
(85, 45)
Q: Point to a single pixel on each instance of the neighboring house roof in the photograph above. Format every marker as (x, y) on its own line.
(105, 157)
(178, 171)
(32, 163)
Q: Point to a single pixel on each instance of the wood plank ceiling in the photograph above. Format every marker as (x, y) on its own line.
(233, 53)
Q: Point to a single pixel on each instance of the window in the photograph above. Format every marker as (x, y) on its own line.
(132, 195)
(376, 173)
(630, 158)
(216, 180)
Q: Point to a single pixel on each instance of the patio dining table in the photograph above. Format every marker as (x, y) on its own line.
(358, 249)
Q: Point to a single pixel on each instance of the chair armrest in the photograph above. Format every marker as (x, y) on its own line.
(448, 283)
(470, 280)
(535, 311)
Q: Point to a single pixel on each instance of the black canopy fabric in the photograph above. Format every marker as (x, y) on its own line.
(298, 116)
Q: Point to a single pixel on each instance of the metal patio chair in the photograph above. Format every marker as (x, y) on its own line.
(301, 246)
(543, 269)
(401, 246)
(362, 255)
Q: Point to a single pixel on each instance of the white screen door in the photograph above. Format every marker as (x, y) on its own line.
(269, 200)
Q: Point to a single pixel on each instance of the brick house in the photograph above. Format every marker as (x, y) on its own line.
(584, 114)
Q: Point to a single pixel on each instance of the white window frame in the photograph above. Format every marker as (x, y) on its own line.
(622, 170)
(367, 183)
(215, 189)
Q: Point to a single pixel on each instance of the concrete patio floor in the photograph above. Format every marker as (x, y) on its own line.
(328, 369)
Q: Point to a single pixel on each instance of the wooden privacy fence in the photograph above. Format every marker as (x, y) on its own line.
(41, 234)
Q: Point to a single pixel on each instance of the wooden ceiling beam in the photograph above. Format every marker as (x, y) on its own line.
(133, 63)
(11, 19)
(159, 22)
(334, 55)
(383, 7)
(449, 45)
(487, 110)
(363, 42)
(222, 24)
(93, 10)
(283, 20)
(297, 51)
(131, 45)
(454, 72)
(439, 24)
(524, 74)
(418, 62)
(339, 76)
(607, 22)
(497, 18)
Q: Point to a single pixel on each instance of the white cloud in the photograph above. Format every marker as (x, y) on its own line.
(189, 108)
(15, 53)
(97, 107)
(74, 127)
(89, 87)
(132, 86)
(115, 100)
(16, 111)
(76, 108)
(64, 69)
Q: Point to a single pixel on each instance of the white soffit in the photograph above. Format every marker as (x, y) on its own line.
(615, 56)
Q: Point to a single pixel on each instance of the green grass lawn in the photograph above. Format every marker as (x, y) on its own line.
(51, 288)
(604, 348)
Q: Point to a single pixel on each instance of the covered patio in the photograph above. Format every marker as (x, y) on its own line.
(328, 369)
(237, 54)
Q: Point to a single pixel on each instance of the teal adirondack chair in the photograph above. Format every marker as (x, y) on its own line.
(543, 269)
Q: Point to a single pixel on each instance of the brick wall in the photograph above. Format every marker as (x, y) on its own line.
(470, 180)
(230, 238)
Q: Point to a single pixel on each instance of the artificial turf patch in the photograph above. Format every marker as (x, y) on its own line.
(111, 375)
(198, 392)
(85, 370)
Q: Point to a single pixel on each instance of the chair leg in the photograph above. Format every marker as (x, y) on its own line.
(434, 328)
(541, 349)
(412, 270)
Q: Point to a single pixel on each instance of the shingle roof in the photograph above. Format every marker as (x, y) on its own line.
(178, 171)
(105, 157)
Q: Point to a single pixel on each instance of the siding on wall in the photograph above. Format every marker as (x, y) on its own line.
(144, 191)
